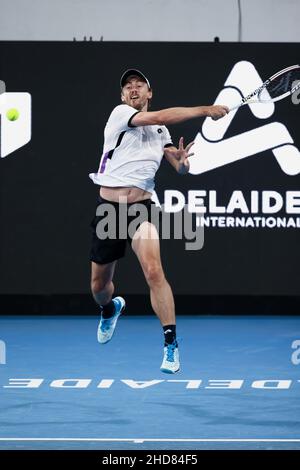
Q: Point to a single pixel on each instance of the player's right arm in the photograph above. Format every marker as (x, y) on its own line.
(175, 115)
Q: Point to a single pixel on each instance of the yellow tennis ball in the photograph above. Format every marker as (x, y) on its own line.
(12, 114)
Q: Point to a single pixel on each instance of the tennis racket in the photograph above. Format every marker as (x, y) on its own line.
(279, 86)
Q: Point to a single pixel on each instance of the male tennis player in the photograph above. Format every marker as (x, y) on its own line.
(135, 140)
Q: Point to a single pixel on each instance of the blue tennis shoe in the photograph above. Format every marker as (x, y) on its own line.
(107, 326)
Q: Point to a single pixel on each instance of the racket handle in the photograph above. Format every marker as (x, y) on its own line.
(231, 108)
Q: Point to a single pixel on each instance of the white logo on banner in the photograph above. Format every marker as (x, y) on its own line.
(212, 151)
(15, 120)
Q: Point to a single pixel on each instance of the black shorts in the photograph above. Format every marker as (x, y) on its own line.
(112, 247)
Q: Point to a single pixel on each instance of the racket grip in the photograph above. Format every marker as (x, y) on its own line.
(232, 108)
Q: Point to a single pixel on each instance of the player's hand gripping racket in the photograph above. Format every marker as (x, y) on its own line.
(279, 86)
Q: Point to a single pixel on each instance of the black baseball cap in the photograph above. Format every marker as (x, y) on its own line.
(136, 72)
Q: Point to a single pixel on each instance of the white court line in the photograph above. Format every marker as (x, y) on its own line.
(138, 440)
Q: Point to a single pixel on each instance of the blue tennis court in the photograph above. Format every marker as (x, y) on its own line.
(238, 388)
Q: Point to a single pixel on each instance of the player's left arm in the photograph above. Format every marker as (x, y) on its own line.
(178, 157)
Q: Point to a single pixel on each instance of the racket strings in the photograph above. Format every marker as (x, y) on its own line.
(281, 85)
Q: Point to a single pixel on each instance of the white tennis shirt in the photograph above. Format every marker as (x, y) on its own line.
(131, 155)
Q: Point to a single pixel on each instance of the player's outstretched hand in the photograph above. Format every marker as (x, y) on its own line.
(217, 111)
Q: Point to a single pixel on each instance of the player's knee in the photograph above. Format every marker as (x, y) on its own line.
(154, 273)
(98, 285)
